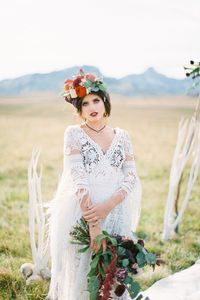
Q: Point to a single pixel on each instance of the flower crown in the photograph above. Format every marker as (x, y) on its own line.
(82, 85)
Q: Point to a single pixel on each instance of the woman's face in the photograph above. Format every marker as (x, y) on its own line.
(93, 108)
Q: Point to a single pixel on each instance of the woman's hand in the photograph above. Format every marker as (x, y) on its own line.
(94, 232)
(98, 212)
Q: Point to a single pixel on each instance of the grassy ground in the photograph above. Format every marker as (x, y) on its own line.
(39, 120)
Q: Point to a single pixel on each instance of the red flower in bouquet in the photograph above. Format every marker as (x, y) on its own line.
(80, 91)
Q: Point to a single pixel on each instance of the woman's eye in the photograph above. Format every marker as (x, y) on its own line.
(84, 104)
(96, 100)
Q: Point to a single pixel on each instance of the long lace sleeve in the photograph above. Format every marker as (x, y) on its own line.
(131, 188)
(73, 160)
(129, 169)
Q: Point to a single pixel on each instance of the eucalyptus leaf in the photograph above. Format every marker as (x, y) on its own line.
(143, 235)
(151, 258)
(102, 87)
(121, 251)
(87, 84)
(141, 259)
(94, 89)
(125, 262)
(144, 251)
(128, 280)
(139, 247)
(135, 288)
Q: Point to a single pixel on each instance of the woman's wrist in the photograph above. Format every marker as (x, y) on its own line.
(93, 225)
(111, 203)
(116, 199)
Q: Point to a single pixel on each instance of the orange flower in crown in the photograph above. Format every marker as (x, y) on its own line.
(80, 91)
(82, 85)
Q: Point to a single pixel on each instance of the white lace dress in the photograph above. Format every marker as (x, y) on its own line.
(102, 175)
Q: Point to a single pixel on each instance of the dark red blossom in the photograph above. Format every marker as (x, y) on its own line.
(76, 81)
(141, 242)
(74, 102)
(121, 274)
(120, 289)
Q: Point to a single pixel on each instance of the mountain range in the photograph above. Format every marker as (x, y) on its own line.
(149, 83)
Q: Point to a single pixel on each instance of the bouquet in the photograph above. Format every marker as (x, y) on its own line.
(120, 264)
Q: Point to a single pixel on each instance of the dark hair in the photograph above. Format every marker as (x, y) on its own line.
(103, 95)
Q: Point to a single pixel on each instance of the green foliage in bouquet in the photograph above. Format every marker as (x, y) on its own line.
(120, 264)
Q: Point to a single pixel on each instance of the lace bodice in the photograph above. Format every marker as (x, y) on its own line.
(92, 166)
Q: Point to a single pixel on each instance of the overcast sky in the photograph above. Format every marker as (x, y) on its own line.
(119, 37)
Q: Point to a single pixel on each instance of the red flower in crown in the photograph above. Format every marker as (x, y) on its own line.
(80, 91)
(76, 81)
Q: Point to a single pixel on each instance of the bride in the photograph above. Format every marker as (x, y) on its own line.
(99, 181)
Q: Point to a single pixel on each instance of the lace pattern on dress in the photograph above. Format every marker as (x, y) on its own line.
(90, 156)
(127, 144)
(77, 169)
(130, 177)
(117, 157)
(78, 172)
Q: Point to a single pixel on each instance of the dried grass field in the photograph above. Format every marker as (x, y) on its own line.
(39, 120)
